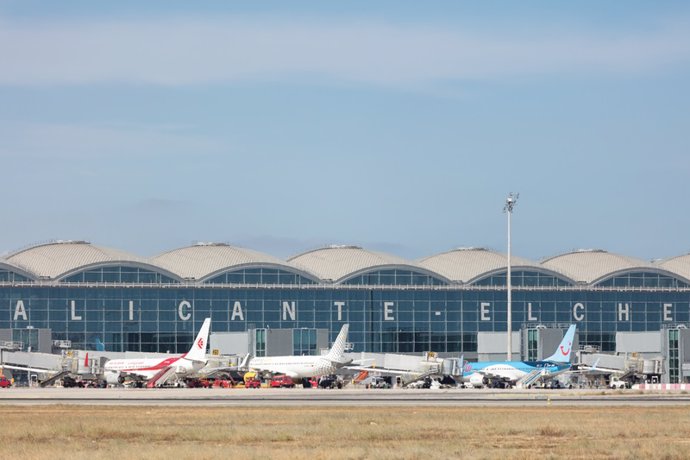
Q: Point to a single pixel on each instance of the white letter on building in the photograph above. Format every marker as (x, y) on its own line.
(623, 311)
(529, 312)
(667, 312)
(74, 316)
(20, 310)
(485, 311)
(237, 311)
(388, 311)
(340, 309)
(288, 309)
(131, 310)
(184, 315)
(576, 315)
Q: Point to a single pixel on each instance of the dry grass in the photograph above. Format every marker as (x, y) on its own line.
(320, 433)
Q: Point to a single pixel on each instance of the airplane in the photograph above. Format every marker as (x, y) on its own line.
(509, 373)
(155, 371)
(300, 367)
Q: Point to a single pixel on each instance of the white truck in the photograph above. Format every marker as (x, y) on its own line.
(617, 384)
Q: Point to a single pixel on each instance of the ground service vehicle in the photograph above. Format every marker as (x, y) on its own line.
(252, 383)
(330, 381)
(223, 383)
(617, 384)
(199, 383)
(5, 382)
(282, 381)
(380, 382)
(71, 382)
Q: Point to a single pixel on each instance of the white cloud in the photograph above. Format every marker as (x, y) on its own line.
(172, 51)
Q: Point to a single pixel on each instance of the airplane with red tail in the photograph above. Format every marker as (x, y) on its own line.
(157, 371)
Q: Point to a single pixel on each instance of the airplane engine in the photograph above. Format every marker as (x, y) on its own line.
(181, 370)
(114, 378)
(477, 380)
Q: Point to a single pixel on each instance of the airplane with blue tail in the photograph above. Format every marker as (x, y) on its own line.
(509, 373)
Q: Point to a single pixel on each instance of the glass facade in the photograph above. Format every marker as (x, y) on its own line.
(259, 276)
(395, 277)
(673, 356)
(260, 342)
(523, 278)
(304, 342)
(642, 279)
(532, 344)
(118, 274)
(145, 312)
(10, 276)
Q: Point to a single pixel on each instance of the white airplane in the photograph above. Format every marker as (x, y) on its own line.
(299, 367)
(155, 371)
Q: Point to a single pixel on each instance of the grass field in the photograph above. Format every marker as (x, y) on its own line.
(320, 433)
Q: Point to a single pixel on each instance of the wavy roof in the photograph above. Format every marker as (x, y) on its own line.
(588, 265)
(53, 260)
(206, 259)
(4, 265)
(679, 265)
(56, 260)
(464, 265)
(338, 262)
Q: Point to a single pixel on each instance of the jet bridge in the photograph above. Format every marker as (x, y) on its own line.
(630, 367)
(408, 368)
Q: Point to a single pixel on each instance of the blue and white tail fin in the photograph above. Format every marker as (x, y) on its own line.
(594, 366)
(336, 353)
(198, 350)
(564, 350)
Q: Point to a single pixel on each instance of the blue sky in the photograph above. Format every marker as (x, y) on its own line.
(398, 126)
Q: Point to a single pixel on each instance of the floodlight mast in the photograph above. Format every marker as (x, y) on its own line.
(511, 201)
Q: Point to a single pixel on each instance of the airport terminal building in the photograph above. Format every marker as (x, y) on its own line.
(92, 297)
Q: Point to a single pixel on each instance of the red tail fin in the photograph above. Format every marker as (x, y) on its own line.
(86, 360)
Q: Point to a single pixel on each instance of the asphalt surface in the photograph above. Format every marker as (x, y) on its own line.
(346, 397)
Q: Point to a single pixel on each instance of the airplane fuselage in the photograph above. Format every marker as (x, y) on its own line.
(299, 367)
(511, 370)
(295, 367)
(148, 367)
(117, 370)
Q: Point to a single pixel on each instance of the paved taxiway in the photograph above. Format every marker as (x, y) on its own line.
(346, 397)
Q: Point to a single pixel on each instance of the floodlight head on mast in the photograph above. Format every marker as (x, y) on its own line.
(511, 201)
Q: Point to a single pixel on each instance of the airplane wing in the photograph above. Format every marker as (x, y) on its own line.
(344, 362)
(595, 370)
(491, 375)
(278, 371)
(273, 370)
(30, 369)
(549, 375)
(381, 370)
(208, 371)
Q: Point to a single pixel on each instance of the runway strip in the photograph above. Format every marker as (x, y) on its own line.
(318, 397)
